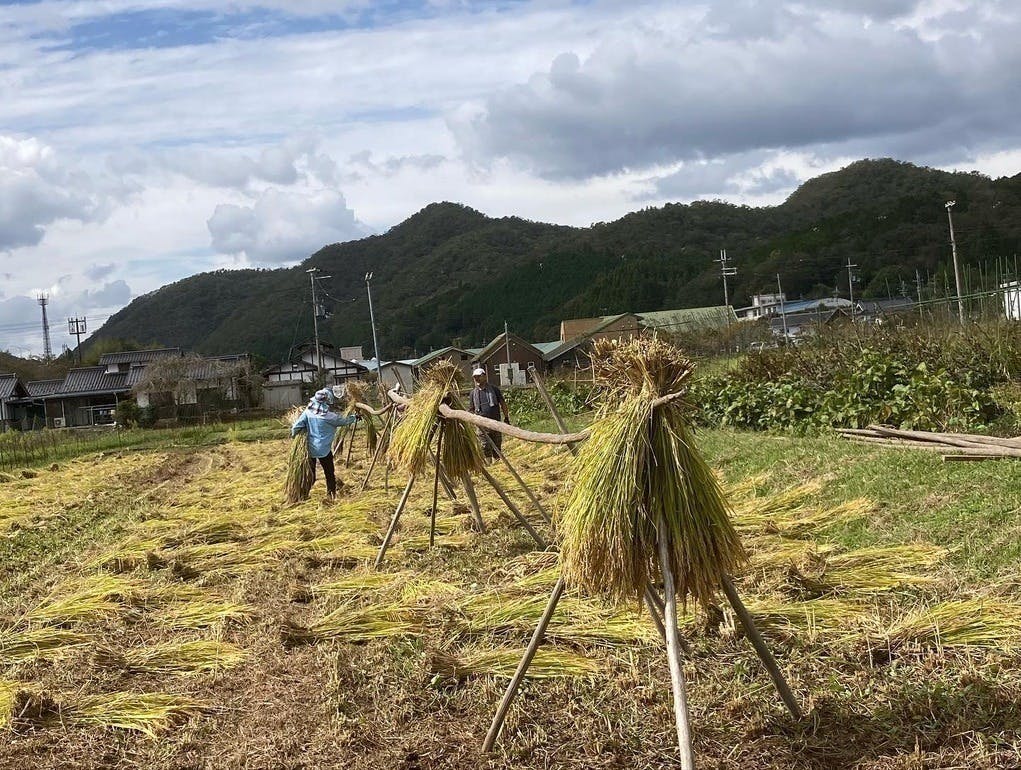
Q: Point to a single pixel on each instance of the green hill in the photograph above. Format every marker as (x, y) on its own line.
(449, 273)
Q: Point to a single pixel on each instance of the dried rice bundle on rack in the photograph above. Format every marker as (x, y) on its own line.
(409, 446)
(357, 393)
(640, 468)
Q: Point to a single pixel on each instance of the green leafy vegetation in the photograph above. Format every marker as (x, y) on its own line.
(945, 379)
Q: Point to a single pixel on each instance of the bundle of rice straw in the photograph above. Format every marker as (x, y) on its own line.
(640, 467)
(299, 470)
(409, 445)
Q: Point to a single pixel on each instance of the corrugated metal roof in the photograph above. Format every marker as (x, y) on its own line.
(138, 356)
(93, 379)
(437, 353)
(546, 347)
(689, 318)
(43, 387)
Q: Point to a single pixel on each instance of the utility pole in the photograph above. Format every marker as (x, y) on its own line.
(850, 284)
(957, 270)
(783, 313)
(372, 321)
(726, 272)
(506, 342)
(312, 277)
(43, 300)
(76, 327)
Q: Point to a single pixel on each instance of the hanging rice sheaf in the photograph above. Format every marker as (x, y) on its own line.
(638, 475)
(409, 447)
(357, 393)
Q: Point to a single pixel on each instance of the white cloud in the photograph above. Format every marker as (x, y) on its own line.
(283, 226)
(261, 144)
(36, 190)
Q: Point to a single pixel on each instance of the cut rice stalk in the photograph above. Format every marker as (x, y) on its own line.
(192, 657)
(20, 645)
(147, 713)
(199, 614)
(503, 662)
(989, 623)
(86, 598)
(354, 623)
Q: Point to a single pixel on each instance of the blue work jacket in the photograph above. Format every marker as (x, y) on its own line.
(320, 429)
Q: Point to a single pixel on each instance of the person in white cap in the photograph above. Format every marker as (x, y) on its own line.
(320, 423)
(487, 400)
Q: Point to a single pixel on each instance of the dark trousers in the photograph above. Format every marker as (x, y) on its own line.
(328, 472)
(494, 446)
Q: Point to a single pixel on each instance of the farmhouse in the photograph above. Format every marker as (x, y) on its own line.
(507, 358)
(286, 382)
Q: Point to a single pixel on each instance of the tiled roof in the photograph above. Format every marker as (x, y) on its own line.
(43, 387)
(93, 379)
(138, 356)
(8, 382)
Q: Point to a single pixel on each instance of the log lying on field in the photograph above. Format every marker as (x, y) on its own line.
(955, 446)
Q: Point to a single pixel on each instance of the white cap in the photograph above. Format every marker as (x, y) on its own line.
(480, 372)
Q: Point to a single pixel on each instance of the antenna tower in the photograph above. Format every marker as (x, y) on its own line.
(43, 300)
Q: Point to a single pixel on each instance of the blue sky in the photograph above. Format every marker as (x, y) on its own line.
(145, 140)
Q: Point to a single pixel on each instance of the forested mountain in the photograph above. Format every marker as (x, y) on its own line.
(450, 274)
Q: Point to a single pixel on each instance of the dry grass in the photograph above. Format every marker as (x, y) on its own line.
(503, 661)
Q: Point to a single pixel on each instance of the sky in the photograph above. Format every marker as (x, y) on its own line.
(142, 141)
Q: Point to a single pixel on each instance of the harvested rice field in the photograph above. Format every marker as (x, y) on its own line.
(167, 609)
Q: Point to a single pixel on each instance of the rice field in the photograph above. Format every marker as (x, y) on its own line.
(168, 609)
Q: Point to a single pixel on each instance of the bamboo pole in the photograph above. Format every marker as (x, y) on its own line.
(436, 488)
(513, 508)
(473, 501)
(761, 648)
(674, 653)
(522, 669)
(393, 522)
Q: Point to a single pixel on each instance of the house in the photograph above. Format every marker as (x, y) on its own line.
(762, 305)
(394, 373)
(800, 325)
(283, 386)
(459, 357)
(88, 396)
(1012, 300)
(199, 385)
(506, 359)
(878, 310)
(571, 353)
(12, 390)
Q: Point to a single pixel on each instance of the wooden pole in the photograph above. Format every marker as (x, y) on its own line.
(473, 501)
(378, 452)
(545, 396)
(525, 662)
(517, 477)
(513, 508)
(448, 488)
(436, 488)
(393, 522)
(673, 650)
(760, 648)
(351, 443)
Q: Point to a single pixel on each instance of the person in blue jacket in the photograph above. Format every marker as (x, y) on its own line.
(320, 424)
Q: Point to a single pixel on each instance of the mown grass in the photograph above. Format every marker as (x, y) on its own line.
(974, 509)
